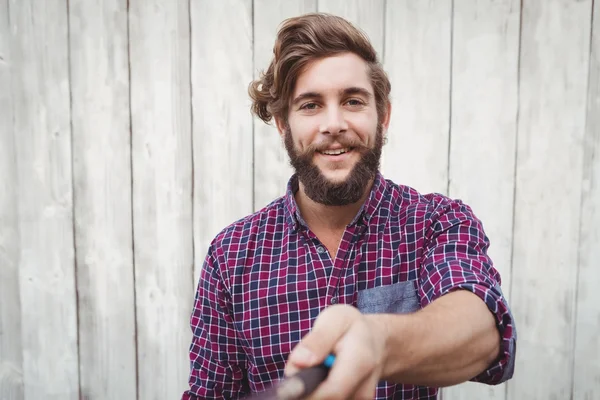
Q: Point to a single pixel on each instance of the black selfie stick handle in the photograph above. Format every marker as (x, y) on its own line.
(298, 385)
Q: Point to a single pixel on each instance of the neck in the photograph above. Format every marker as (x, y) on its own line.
(321, 217)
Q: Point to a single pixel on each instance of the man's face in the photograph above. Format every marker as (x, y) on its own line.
(333, 135)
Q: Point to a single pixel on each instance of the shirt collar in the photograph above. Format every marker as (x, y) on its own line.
(368, 209)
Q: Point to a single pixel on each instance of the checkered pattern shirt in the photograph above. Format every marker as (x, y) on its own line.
(266, 277)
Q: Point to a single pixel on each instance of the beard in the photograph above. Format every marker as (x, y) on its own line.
(321, 190)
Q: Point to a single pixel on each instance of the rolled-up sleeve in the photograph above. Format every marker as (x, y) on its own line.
(217, 361)
(455, 258)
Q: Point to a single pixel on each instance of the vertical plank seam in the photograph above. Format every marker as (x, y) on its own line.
(73, 216)
(252, 122)
(592, 59)
(448, 154)
(131, 166)
(189, 3)
(73, 208)
(9, 31)
(515, 162)
(581, 200)
(383, 34)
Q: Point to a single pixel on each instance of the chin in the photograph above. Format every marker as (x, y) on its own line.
(336, 173)
(336, 176)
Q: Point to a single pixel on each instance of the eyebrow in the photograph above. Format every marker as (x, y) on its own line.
(343, 92)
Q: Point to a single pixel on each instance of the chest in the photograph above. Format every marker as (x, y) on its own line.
(285, 286)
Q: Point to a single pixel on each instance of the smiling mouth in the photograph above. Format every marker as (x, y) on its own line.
(335, 152)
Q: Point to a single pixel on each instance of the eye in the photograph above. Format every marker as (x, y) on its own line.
(309, 106)
(355, 102)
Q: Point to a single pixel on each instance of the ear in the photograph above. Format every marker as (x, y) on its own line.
(281, 125)
(387, 117)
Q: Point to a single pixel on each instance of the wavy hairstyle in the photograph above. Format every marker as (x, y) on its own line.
(301, 40)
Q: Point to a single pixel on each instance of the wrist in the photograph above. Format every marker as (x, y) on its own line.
(397, 341)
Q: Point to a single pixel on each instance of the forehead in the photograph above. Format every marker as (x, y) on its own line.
(330, 74)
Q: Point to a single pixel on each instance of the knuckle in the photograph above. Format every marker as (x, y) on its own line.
(369, 364)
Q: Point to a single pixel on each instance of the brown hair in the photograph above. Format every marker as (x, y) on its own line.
(301, 40)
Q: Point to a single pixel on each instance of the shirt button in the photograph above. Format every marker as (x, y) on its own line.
(334, 300)
(320, 249)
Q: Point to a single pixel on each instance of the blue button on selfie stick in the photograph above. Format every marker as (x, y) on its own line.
(329, 361)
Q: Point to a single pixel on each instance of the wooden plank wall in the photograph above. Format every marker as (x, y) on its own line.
(99, 84)
(126, 144)
(551, 127)
(161, 160)
(11, 354)
(586, 365)
(43, 152)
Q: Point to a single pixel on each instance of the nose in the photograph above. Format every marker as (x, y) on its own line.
(334, 122)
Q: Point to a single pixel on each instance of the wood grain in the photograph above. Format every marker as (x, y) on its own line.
(102, 187)
(43, 152)
(11, 350)
(162, 193)
(221, 72)
(586, 373)
(483, 133)
(555, 43)
(417, 60)
(271, 162)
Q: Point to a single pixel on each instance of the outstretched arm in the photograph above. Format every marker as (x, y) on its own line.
(464, 331)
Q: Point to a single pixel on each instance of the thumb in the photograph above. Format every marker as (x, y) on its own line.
(329, 327)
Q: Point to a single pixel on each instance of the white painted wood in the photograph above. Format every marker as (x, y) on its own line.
(417, 60)
(586, 374)
(271, 162)
(162, 193)
(556, 220)
(11, 350)
(554, 70)
(484, 126)
(102, 187)
(221, 72)
(368, 15)
(43, 152)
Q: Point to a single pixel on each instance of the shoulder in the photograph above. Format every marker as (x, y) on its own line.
(431, 208)
(241, 240)
(244, 232)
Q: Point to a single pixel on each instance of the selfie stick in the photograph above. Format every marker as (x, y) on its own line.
(299, 385)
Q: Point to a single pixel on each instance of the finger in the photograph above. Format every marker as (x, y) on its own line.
(300, 361)
(329, 327)
(345, 394)
(354, 367)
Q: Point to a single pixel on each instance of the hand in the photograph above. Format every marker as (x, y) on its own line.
(358, 342)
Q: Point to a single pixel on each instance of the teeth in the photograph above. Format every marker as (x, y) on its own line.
(335, 152)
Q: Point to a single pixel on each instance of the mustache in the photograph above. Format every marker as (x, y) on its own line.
(342, 142)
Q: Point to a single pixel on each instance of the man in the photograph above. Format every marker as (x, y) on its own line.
(398, 285)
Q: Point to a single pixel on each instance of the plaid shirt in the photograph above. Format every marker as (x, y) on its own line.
(266, 278)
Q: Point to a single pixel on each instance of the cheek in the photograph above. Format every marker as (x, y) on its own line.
(303, 132)
(366, 129)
